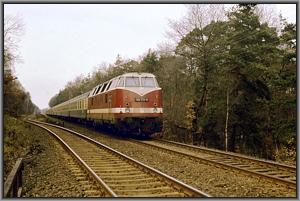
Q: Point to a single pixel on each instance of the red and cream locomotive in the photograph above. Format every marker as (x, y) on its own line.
(130, 103)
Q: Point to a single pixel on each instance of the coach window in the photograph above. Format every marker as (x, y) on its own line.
(148, 82)
(132, 82)
(121, 82)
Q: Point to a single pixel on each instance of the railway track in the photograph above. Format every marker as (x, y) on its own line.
(115, 174)
(270, 170)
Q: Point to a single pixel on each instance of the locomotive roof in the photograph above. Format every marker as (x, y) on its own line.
(138, 74)
(89, 93)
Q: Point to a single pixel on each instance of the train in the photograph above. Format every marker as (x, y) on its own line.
(127, 104)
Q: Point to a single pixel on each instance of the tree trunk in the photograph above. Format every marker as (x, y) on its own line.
(226, 124)
(232, 138)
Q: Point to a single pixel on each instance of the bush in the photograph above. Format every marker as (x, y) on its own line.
(287, 155)
(18, 140)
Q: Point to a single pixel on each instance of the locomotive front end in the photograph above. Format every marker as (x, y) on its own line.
(140, 104)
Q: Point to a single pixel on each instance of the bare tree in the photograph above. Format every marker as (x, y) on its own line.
(165, 48)
(268, 14)
(13, 29)
(195, 35)
(198, 16)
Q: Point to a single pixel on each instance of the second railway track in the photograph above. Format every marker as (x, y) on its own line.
(116, 174)
(270, 170)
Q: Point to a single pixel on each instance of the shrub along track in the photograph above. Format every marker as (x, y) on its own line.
(116, 174)
(275, 172)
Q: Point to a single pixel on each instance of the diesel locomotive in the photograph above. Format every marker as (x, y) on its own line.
(128, 104)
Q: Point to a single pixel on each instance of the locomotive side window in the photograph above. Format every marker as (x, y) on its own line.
(148, 82)
(156, 82)
(108, 85)
(98, 89)
(132, 82)
(121, 82)
(104, 86)
(94, 91)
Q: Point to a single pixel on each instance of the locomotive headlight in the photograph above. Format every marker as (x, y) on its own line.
(155, 104)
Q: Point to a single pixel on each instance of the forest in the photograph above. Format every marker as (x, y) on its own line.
(228, 80)
(17, 137)
(17, 100)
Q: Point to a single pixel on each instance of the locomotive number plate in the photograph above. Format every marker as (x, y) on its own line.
(141, 99)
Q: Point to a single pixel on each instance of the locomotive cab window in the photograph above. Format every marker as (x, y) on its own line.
(114, 83)
(132, 82)
(121, 82)
(148, 82)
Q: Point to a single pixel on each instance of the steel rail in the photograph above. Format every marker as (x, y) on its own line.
(107, 189)
(188, 190)
(279, 165)
(291, 184)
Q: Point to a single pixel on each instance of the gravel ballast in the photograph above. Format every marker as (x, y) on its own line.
(48, 175)
(218, 182)
(46, 172)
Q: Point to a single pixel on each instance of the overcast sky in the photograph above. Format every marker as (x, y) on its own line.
(63, 41)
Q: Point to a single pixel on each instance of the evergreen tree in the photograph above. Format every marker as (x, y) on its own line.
(150, 62)
(203, 49)
(252, 52)
(282, 108)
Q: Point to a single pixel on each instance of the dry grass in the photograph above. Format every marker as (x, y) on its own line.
(18, 141)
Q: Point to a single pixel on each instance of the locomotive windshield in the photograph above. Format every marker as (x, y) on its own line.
(136, 81)
(147, 82)
(132, 82)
